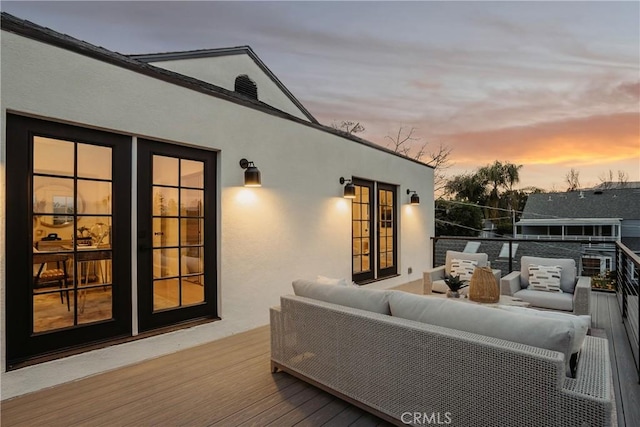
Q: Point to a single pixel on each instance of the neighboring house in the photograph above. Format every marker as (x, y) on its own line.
(126, 213)
(617, 185)
(600, 216)
(489, 229)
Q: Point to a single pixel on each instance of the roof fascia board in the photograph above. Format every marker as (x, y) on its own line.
(36, 32)
(211, 53)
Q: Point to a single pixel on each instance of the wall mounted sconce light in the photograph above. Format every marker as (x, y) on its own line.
(349, 188)
(415, 199)
(251, 174)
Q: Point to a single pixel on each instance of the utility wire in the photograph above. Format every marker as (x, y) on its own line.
(547, 216)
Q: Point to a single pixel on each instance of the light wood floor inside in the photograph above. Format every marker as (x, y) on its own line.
(229, 383)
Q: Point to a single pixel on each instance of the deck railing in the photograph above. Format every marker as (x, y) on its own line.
(611, 239)
(505, 253)
(628, 269)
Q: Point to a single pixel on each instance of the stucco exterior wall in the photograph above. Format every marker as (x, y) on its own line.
(223, 70)
(296, 226)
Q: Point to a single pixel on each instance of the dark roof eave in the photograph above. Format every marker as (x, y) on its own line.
(36, 32)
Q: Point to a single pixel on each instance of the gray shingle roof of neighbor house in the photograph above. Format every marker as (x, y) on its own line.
(33, 31)
(225, 51)
(621, 203)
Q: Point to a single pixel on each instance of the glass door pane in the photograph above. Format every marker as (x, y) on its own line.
(178, 227)
(71, 219)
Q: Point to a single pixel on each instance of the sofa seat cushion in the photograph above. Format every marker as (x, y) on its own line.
(551, 334)
(568, 277)
(374, 300)
(552, 300)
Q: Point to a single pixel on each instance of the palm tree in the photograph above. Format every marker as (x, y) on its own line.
(495, 176)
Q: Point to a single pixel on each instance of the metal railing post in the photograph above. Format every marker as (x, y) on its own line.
(623, 267)
(510, 256)
(433, 254)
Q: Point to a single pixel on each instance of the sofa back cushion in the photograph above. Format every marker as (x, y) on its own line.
(568, 275)
(481, 258)
(551, 334)
(374, 300)
(580, 323)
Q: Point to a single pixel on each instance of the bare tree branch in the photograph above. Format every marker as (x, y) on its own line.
(623, 178)
(572, 178)
(348, 126)
(403, 143)
(606, 182)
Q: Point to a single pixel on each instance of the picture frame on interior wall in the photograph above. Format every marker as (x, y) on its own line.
(53, 204)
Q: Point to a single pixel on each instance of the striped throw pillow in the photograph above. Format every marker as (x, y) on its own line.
(545, 278)
(463, 268)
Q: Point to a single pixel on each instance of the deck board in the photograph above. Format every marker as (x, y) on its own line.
(626, 387)
(228, 382)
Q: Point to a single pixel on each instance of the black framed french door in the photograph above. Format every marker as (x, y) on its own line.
(362, 231)
(176, 234)
(387, 220)
(68, 237)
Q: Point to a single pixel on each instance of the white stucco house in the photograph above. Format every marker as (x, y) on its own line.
(132, 228)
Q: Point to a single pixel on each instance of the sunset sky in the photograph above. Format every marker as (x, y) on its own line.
(549, 85)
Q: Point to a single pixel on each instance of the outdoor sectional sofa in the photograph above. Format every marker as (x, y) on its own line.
(389, 352)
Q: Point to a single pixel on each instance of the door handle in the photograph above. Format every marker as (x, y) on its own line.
(143, 245)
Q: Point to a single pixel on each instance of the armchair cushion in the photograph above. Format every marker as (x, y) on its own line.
(567, 278)
(482, 259)
(439, 286)
(551, 300)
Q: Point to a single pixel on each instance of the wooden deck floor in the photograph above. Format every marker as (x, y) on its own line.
(228, 383)
(605, 314)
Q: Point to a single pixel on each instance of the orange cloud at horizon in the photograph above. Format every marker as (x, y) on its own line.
(581, 141)
(592, 145)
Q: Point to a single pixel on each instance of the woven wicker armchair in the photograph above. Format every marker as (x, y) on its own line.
(576, 295)
(433, 279)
